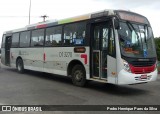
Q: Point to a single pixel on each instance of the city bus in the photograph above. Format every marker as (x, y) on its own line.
(109, 46)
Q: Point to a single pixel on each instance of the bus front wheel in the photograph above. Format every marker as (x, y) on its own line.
(20, 67)
(78, 75)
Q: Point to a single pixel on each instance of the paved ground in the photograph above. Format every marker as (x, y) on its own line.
(36, 88)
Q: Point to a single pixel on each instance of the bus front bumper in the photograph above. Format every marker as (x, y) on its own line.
(125, 77)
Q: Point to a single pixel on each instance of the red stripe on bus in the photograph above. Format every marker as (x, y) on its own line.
(41, 26)
(84, 56)
(44, 57)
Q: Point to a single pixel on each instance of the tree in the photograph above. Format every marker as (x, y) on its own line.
(157, 43)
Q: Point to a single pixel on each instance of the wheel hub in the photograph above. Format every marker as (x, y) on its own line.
(78, 75)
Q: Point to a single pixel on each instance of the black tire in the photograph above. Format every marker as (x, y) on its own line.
(20, 66)
(78, 75)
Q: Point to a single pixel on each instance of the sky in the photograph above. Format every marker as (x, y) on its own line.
(14, 13)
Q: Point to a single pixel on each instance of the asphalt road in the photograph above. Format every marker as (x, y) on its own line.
(36, 88)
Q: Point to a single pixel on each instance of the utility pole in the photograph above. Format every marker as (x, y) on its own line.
(44, 17)
(29, 12)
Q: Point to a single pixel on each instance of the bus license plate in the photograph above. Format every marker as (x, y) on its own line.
(143, 77)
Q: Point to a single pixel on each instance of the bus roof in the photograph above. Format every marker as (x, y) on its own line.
(50, 23)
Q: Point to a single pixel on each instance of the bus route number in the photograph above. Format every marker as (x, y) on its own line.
(65, 54)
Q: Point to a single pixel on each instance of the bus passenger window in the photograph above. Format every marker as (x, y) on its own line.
(74, 34)
(25, 39)
(53, 36)
(37, 38)
(15, 40)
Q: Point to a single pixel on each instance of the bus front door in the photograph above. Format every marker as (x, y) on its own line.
(7, 50)
(100, 34)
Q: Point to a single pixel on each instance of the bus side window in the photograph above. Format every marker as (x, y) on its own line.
(53, 36)
(25, 39)
(74, 34)
(15, 40)
(37, 38)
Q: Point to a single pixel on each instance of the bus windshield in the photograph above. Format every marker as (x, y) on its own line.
(136, 40)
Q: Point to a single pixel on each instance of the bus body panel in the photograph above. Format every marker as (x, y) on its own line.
(3, 56)
(32, 58)
(53, 63)
(35, 58)
(112, 71)
(54, 60)
(57, 59)
(3, 50)
(14, 55)
(50, 59)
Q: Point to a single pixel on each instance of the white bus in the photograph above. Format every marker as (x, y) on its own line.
(110, 46)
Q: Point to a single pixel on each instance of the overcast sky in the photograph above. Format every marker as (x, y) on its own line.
(14, 13)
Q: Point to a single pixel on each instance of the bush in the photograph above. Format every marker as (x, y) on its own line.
(159, 67)
(157, 43)
(158, 55)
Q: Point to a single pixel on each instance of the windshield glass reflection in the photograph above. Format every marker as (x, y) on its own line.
(136, 40)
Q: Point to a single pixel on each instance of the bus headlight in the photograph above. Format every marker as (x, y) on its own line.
(126, 66)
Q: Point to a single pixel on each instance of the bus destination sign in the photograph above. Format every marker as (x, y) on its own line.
(132, 17)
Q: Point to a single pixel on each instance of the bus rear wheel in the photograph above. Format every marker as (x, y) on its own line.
(20, 67)
(78, 75)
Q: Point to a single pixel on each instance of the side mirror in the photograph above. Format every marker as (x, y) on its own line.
(116, 24)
